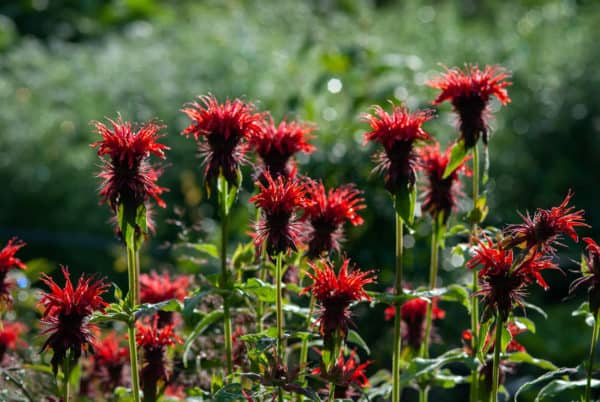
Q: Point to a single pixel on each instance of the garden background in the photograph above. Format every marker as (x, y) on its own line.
(64, 63)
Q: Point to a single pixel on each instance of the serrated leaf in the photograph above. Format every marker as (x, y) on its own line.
(457, 157)
(404, 204)
(204, 323)
(265, 292)
(544, 377)
(355, 338)
(524, 357)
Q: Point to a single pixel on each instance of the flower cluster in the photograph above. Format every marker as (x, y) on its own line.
(326, 212)
(397, 133)
(335, 294)
(470, 91)
(8, 262)
(65, 313)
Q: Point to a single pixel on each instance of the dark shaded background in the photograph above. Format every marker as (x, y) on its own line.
(65, 63)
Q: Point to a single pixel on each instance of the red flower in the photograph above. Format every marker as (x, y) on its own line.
(440, 195)
(469, 92)
(8, 262)
(10, 335)
(155, 288)
(335, 294)
(413, 314)
(221, 131)
(109, 359)
(349, 376)
(543, 231)
(397, 132)
(326, 213)
(276, 145)
(65, 314)
(590, 274)
(279, 201)
(153, 340)
(128, 177)
(502, 284)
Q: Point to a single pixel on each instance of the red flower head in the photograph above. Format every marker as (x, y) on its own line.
(590, 274)
(10, 335)
(326, 213)
(109, 359)
(413, 314)
(221, 131)
(8, 262)
(66, 312)
(543, 231)
(502, 284)
(128, 178)
(397, 132)
(469, 92)
(335, 294)
(349, 376)
(155, 288)
(440, 195)
(279, 202)
(153, 340)
(276, 145)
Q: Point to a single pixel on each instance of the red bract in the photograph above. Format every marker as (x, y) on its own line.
(65, 314)
(469, 92)
(502, 284)
(109, 359)
(544, 230)
(413, 314)
(397, 132)
(439, 195)
(221, 131)
(326, 213)
(10, 333)
(335, 294)
(154, 340)
(349, 376)
(279, 200)
(155, 288)
(590, 274)
(128, 178)
(276, 145)
(8, 262)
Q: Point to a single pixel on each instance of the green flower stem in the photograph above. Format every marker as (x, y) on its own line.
(335, 352)
(423, 394)
(304, 348)
(474, 392)
(132, 269)
(279, 301)
(433, 270)
(588, 387)
(67, 377)
(396, 389)
(224, 283)
(496, 367)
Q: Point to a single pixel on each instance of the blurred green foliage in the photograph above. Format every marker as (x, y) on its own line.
(146, 58)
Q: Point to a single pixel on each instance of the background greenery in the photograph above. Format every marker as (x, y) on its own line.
(64, 63)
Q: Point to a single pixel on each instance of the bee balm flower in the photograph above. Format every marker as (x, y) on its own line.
(469, 92)
(155, 288)
(10, 333)
(349, 376)
(413, 314)
(8, 262)
(397, 132)
(590, 270)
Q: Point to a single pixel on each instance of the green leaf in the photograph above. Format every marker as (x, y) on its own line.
(207, 248)
(230, 392)
(204, 323)
(147, 309)
(537, 309)
(132, 223)
(524, 357)
(243, 255)
(555, 387)
(419, 367)
(545, 377)
(404, 204)
(479, 212)
(355, 338)
(265, 292)
(505, 339)
(226, 193)
(457, 156)
(459, 294)
(525, 322)
(190, 302)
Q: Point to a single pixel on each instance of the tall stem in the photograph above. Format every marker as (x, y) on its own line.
(396, 389)
(588, 387)
(433, 270)
(496, 367)
(67, 377)
(132, 269)
(304, 348)
(225, 277)
(279, 300)
(474, 392)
